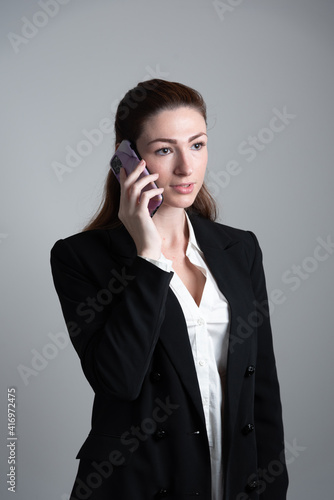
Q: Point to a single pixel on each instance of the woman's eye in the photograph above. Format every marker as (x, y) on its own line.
(163, 151)
(197, 145)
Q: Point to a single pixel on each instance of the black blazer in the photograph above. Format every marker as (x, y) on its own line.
(148, 438)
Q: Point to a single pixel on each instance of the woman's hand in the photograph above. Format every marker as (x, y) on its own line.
(135, 215)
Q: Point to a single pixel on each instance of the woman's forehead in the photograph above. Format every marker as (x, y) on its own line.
(181, 121)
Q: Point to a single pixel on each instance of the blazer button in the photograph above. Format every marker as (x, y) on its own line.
(252, 485)
(160, 434)
(247, 429)
(161, 493)
(250, 371)
(155, 376)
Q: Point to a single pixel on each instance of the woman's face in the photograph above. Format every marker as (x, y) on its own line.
(174, 144)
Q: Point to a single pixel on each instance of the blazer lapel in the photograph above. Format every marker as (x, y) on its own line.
(227, 261)
(175, 340)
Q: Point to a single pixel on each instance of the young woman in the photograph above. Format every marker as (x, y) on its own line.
(169, 316)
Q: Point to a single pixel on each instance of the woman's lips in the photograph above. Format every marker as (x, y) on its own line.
(184, 188)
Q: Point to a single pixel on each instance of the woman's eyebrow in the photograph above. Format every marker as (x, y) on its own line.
(174, 141)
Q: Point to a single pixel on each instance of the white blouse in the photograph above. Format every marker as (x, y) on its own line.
(208, 329)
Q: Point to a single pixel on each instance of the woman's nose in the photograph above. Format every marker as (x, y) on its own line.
(183, 164)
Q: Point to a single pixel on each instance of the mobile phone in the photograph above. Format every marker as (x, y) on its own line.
(126, 156)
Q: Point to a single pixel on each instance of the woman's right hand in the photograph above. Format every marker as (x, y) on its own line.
(135, 216)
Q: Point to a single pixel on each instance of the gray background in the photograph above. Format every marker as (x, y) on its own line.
(247, 59)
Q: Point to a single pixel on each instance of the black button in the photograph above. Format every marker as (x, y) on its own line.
(247, 429)
(155, 376)
(162, 493)
(250, 371)
(160, 434)
(252, 485)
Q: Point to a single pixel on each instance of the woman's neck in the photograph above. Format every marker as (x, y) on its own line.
(173, 228)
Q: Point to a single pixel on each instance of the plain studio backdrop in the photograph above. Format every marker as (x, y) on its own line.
(265, 69)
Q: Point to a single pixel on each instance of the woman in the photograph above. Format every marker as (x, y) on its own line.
(169, 315)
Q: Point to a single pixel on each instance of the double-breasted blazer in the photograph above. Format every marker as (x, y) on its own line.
(148, 438)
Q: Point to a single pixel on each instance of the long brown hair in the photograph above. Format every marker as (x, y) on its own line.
(138, 105)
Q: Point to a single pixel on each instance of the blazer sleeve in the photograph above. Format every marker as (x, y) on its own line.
(115, 336)
(267, 404)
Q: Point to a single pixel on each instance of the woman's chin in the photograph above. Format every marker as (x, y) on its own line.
(180, 205)
(179, 201)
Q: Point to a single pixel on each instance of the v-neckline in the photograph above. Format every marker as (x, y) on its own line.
(198, 306)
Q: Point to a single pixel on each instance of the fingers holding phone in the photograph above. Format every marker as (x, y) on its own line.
(138, 191)
(142, 188)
